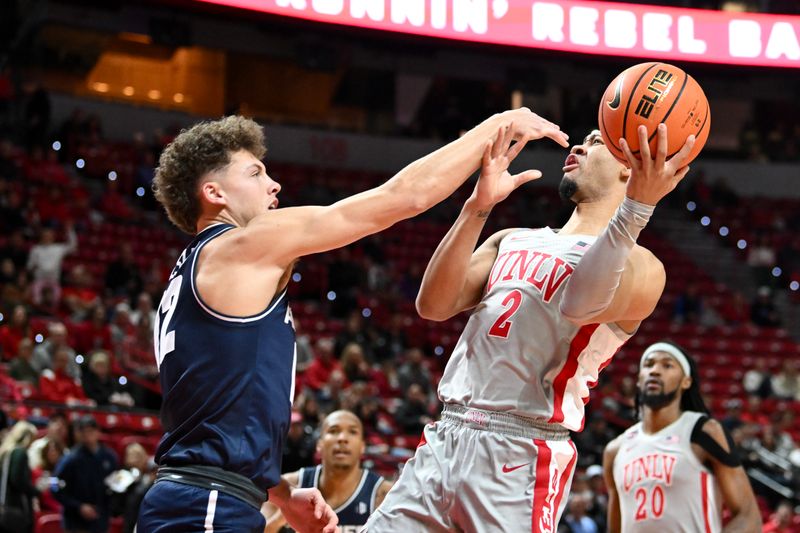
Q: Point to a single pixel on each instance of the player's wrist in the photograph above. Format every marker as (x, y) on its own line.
(476, 209)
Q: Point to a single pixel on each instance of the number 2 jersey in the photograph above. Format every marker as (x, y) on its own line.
(517, 353)
(227, 381)
(661, 484)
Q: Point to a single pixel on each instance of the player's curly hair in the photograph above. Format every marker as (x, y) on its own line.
(203, 148)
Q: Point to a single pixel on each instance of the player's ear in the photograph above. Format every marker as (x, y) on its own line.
(211, 191)
(686, 383)
(625, 173)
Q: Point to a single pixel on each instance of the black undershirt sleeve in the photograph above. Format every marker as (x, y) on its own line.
(707, 442)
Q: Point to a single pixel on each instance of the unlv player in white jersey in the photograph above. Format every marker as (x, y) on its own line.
(550, 308)
(673, 470)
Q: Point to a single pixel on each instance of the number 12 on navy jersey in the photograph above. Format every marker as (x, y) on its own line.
(163, 339)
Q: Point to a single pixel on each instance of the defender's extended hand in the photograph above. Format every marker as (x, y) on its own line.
(307, 512)
(495, 182)
(528, 126)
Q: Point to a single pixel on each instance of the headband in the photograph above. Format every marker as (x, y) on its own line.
(666, 347)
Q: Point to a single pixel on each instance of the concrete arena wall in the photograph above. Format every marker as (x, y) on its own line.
(299, 145)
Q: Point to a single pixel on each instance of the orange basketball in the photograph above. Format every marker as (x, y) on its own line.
(648, 94)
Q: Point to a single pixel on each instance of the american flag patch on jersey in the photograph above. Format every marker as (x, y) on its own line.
(672, 439)
(580, 246)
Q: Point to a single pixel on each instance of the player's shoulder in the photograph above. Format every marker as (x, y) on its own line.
(613, 447)
(713, 428)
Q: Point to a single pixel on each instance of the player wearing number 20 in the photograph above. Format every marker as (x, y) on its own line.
(549, 310)
(224, 334)
(673, 470)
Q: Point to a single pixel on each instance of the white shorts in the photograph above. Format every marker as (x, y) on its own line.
(477, 471)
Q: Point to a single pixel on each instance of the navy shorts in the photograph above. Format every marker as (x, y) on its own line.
(175, 507)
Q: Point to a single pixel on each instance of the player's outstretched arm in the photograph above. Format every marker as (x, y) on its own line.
(614, 517)
(272, 513)
(305, 510)
(278, 237)
(617, 281)
(737, 494)
(457, 273)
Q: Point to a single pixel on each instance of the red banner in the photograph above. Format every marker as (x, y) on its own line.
(604, 28)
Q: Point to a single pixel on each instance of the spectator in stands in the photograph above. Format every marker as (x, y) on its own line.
(761, 259)
(14, 468)
(320, 369)
(414, 371)
(81, 477)
(689, 305)
(94, 333)
(576, 518)
(394, 341)
(102, 387)
(57, 431)
(48, 306)
(413, 414)
(354, 366)
(756, 381)
(305, 354)
(300, 445)
(754, 412)
(121, 325)
(21, 368)
(354, 331)
(599, 501)
(782, 520)
(592, 441)
(144, 309)
(309, 408)
(763, 311)
(50, 455)
(78, 294)
(45, 260)
(14, 331)
(786, 384)
(138, 462)
(733, 414)
(137, 350)
(123, 276)
(15, 247)
(56, 385)
(44, 354)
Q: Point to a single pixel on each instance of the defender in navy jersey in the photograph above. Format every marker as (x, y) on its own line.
(673, 470)
(353, 492)
(224, 338)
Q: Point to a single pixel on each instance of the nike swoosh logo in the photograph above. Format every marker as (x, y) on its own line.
(614, 104)
(507, 469)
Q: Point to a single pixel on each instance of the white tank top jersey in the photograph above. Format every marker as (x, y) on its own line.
(517, 353)
(662, 486)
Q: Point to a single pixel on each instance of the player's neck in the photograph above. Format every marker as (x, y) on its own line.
(334, 481)
(590, 217)
(654, 420)
(222, 217)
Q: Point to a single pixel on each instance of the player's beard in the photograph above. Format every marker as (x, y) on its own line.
(657, 401)
(567, 188)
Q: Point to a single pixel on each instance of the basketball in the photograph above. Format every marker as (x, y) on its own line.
(648, 94)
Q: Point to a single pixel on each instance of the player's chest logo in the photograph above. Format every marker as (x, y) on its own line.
(653, 466)
(545, 272)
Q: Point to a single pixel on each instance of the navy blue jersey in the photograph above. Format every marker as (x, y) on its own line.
(356, 510)
(227, 381)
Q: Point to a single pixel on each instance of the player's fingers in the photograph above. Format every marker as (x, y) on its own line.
(677, 160)
(498, 142)
(661, 146)
(644, 144)
(319, 507)
(558, 136)
(525, 177)
(514, 151)
(487, 153)
(508, 136)
(632, 161)
(681, 174)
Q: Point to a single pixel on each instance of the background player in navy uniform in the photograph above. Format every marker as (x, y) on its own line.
(674, 469)
(224, 338)
(352, 491)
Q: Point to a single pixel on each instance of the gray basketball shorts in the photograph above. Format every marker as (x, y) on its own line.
(481, 471)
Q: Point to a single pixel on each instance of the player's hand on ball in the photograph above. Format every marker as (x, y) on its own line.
(307, 512)
(528, 126)
(652, 178)
(495, 182)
